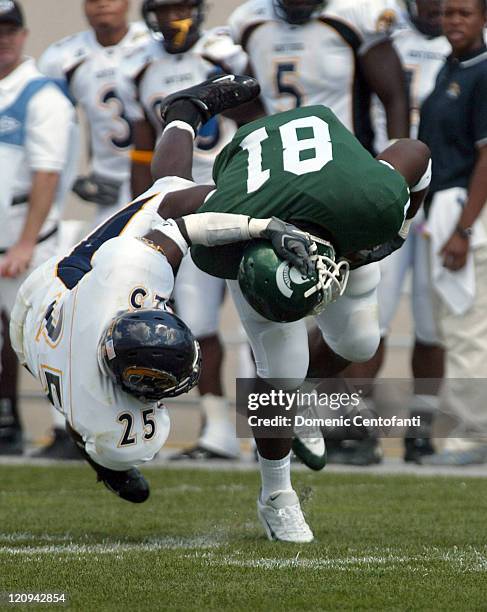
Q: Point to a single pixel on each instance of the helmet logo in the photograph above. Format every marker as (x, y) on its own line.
(286, 277)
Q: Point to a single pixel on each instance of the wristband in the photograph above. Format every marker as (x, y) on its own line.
(405, 227)
(424, 181)
(141, 157)
(181, 125)
(257, 226)
(169, 228)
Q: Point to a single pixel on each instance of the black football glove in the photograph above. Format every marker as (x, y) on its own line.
(291, 244)
(94, 188)
(368, 256)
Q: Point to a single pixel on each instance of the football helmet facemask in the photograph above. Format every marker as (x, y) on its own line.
(150, 354)
(179, 35)
(279, 292)
(298, 12)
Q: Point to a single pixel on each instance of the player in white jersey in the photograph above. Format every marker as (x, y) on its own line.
(87, 64)
(423, 50)
(92, 326)
(181, 55)
(36, 121)
(306, 52)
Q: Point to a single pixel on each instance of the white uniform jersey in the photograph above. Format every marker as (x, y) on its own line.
(63, 309)
(36, 122)
(89, 70)
(150, 74)
(422, 57)
(315, 63)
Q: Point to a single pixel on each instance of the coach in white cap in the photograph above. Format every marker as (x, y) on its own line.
(35, 123)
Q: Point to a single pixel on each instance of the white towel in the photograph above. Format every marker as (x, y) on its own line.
(457, 289)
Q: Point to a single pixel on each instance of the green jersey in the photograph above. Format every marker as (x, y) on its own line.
(304, 167)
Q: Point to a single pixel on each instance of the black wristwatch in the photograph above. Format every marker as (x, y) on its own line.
(464, 232)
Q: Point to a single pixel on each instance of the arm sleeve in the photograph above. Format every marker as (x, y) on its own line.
(479, 111)
(50, 119)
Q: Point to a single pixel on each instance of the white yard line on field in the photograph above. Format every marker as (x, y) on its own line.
(462, 560)
(72, 548)
(204, 551)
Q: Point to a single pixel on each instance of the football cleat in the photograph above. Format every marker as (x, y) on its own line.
(310, 451)
(61, 447)
(11, 441)
(355, 452)
(200, 453)
(476, 455)
(283, 519)
(129, 484)
(416, 448)
(216, 95)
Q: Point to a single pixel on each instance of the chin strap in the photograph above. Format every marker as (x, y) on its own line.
(332, 278)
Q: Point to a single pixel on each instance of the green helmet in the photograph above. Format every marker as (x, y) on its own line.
(279, 292)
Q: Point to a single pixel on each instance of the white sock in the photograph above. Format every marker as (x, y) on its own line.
(275, 475)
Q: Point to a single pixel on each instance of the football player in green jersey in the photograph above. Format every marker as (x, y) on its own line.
(305, 167)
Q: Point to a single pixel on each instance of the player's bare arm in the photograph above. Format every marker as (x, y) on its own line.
(412, 159)
(17, 259)
(456, 249)
(385, 76)
(144, 141)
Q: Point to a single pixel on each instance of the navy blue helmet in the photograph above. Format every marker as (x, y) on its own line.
(298, 12)
(177, 35)
(150, 354)
(426, 16)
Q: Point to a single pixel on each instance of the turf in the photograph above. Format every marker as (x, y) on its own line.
(382, 542)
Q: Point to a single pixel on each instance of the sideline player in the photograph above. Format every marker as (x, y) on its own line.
(86, 64)
(336, 53)
(93, 328)
(179, 55)
(36, 122)
(423, 50)
(306, 165)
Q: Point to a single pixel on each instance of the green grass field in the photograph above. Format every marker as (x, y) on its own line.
(382, 542)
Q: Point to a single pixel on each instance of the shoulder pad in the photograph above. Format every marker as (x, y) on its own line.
(366, 16)
(139, 31)
(140, 56)
(217, 46)
(249, 15)
(66, 53)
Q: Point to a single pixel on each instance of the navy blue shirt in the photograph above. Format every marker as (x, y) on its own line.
(454, 119)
